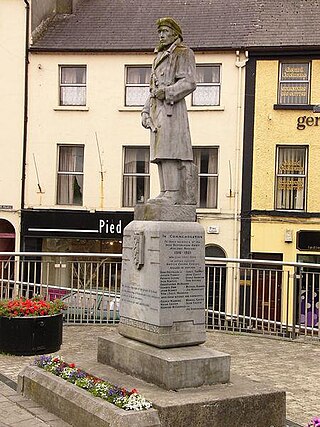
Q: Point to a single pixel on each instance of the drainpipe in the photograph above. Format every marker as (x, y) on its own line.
(239, 139)
(25, 110)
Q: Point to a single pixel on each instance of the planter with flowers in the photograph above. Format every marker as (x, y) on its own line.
(30, 326)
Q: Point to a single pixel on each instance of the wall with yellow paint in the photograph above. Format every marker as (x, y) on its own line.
(274, 127)
(279, 127)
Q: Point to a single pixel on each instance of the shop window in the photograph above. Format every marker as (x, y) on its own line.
(208, 85)
(291, 178)
(70, 175)
(207, 161)
(136, 176)
(294, 83)
(73, 85)
(137, 85)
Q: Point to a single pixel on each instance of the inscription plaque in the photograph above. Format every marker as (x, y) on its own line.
(181, 272)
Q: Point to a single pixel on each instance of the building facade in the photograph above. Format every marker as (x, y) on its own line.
(88, 155)
(284, 221)
(12, 119)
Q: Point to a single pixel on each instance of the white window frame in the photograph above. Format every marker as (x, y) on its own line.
(69, 173)
(125, 175)
(208, 84)
(294, 177)
(72, 85)
(294, 81)
(208, 175)
(135, 85)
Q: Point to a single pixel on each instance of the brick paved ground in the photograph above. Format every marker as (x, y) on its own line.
(290, 366)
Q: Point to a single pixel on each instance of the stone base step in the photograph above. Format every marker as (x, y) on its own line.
(170, 368)
(240, 402)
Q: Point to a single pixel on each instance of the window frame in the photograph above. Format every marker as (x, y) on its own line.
(211, 84)
(304, 176)
(296, 81)
(64, 85)
(134, 174)
(208, 175)
(138, 85)
(69, 173)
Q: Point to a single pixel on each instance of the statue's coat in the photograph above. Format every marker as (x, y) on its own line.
(174, 71)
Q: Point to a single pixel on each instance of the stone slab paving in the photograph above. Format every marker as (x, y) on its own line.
(284, 365)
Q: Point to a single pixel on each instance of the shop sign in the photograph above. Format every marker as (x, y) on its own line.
(79, 224)
(308, 240)
(290, 184)
(304, 121)
(6, 207)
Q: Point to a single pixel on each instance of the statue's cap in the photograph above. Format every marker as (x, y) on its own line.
(171, 23)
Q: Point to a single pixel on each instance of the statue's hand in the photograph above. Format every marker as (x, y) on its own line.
(145, 120)
(160, 94)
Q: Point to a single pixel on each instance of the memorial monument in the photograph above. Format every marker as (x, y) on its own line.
(159, 348)
(162, 289)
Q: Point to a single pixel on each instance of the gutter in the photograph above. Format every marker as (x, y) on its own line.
(25, 108)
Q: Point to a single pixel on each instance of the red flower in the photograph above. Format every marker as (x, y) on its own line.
(72, 365)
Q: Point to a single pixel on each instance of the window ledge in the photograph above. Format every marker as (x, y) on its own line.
(293, 107)
(206, 108)
(206, 211)
(131, 108)
(71, 108)
(192, 108)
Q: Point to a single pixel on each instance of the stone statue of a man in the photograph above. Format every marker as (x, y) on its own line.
(165, 114)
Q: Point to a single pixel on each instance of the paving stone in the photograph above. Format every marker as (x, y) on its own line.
(281, 364)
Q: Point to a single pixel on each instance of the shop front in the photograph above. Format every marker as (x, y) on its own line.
(73, 231)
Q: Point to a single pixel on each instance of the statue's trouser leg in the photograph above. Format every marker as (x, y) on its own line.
(171, 179)
(161, 182)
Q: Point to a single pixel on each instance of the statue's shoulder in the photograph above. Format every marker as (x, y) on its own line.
(182, 48)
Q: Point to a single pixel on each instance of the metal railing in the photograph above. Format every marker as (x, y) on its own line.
(267, 297)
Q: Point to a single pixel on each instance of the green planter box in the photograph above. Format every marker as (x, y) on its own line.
(25, 336)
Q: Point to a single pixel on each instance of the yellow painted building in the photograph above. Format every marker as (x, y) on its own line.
(283, 221)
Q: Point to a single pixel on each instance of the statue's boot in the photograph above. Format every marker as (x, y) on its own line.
(171, 197)
(157, 199)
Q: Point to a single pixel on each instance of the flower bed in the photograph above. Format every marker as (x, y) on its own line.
(315, 422)
(22, 307)
(119, 396)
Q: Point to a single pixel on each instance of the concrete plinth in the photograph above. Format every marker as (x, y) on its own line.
(240, 403)
(163, 212)
(171, 369)
(162, 283)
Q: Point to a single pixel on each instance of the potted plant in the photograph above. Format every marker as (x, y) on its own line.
(30, 326)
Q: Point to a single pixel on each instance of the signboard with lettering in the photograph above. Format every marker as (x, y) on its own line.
(308, 240)
(294, 83)
(79, 224)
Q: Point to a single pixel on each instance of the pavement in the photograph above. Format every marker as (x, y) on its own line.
(293, 366)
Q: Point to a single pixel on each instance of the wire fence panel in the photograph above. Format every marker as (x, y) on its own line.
(88, 285)
(246, 296)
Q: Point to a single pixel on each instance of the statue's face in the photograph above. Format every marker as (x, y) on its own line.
(166, 35)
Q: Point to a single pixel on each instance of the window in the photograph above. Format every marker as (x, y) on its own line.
(294, 82)
(73, 85)
(136, 176)
(208, 85)
(70, 175)
(137, 85)
(291, 178)
(207, 161)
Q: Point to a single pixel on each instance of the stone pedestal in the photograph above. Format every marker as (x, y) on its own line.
(162, 283)
(171, 368)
